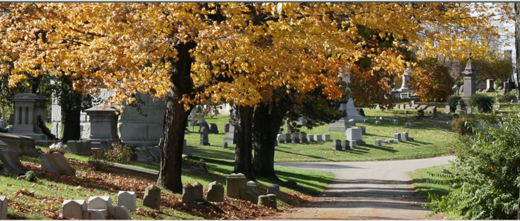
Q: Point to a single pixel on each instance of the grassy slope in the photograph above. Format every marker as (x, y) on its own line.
(431, 139)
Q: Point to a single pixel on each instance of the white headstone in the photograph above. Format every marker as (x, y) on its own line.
(73, 209)
(354, 133)
(127, 199)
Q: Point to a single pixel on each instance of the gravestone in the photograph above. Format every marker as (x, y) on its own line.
(397, 137)
(22, 145)
(346, 144)
(242, 185)
(303, 137)
(356, 134)
(336, 145)
(272, 201)
(93, 214)
(64, 164)
(3, 207)
(103, 125)
(127, 199)
(273, 189)
(469, 82)
(378, 142)
(377, 122)
(326, 137)
(231, 135)
(318, 137)
(152, 197)
(296, 138)
(490, 85)
(100, 203)
(80, 147)
(233, 186)
(263, 200)
(204, 139)
(188, 194)
(363, 130)
(215, 192)
(310, 137)
(121, 212)
(198, 191)
(73, 209)
(225, 145)
(409, 124)
(11, 163)
(29, 109)
(252, 192)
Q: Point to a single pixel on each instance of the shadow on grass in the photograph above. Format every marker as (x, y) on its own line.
(310, 156)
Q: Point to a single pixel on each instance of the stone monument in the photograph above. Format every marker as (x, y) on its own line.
(351, 113)
(29, 115)
(103, 124)
(469, 82)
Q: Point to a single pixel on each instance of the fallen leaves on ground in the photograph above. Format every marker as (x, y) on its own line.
(90, 180)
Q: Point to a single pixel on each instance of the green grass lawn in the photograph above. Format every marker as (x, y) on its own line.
(431, 139)
(430, 181)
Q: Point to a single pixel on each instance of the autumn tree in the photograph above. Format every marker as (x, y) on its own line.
(191, 53)
(493, 65)
(431, 81)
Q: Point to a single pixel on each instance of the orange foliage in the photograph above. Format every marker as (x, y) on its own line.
(432, 81)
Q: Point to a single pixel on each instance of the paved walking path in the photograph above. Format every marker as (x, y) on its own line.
(367, 190)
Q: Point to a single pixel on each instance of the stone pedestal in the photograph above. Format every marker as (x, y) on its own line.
(28, 110)
(103, 125)
(469, 82)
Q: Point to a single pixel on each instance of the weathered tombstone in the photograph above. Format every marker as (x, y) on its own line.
(242, 185)
(336, 145)
(72, 209)
(204, 140)
(28, 110)
(100, 203)
(310, 137)
(346, 145)
(378, 142)
(397, 137)
(213, 128)
(188, 194)
(263, 200)
(272, 200)
(280, 138)
(93, 214)
(11, 163)
(326, 137)
(405, 135)
(127, 199)
(233, 186)
(198, 191)
(447, 109)
(295, 138)
(215, 192)
(273, 189)
(186, 149)
(152, 197)
(64, 164)
(377, 122)
(49, 164)
(22, 145)
(303, 137)
(3, 207)
(231, 137)
(251, 192)
(318, 137)
(121, 212)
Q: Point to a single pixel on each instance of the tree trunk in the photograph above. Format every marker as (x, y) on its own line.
(517, 47)
(175, 119)
(243, 152)
(71, 129)
(266, 123)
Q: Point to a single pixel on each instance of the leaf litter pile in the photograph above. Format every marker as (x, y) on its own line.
(87, 180)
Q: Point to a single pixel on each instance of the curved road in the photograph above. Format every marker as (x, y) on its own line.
(367, 190)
